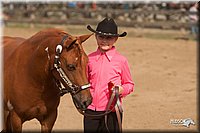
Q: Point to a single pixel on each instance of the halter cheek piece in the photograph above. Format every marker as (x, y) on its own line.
(72, 88)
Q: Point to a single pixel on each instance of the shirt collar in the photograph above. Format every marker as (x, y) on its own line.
(109, 54)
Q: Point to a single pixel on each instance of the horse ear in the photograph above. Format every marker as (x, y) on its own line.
(83, 38)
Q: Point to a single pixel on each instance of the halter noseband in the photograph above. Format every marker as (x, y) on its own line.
(73, 88)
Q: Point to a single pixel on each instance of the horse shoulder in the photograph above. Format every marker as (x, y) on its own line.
(10, 44)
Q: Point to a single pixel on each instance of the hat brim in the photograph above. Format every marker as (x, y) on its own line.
(106, 34)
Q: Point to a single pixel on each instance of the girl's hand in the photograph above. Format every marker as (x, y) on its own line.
(121, 89)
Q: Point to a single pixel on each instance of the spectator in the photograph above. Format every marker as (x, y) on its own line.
(72, 4)
(193, 16)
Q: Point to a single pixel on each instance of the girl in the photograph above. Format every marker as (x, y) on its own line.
(106, 65)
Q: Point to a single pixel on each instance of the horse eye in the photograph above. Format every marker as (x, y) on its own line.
(71, 67)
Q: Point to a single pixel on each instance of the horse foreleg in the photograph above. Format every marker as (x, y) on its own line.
(14, 123)
(48, 122)
(6, 113)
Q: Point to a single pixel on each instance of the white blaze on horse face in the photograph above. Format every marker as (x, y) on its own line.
(76, 58)
(47, 50)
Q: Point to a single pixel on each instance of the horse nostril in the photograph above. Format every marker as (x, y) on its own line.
(87, 103)
(84, 105)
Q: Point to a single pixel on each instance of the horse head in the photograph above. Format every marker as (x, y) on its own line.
(68, 63)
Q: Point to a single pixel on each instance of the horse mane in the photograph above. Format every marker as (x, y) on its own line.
(46, 33)
(50, 34)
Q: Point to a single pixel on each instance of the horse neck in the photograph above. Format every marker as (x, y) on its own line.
(39, 64)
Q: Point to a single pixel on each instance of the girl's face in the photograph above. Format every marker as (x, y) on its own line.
(105, 43)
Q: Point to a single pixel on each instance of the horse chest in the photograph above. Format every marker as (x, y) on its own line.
(38, 111)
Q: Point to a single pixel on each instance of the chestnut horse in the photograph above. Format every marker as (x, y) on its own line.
(36, 70)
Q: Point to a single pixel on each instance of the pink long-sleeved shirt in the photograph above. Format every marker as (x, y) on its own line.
(103, 68)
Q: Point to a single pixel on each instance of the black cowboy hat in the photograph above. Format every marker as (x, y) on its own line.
(107, 27)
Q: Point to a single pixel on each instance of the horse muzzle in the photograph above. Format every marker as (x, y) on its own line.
(81, 103)
(86, 103)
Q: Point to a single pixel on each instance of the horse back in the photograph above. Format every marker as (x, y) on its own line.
(10, 44)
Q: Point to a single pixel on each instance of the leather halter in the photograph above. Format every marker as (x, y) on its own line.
(61, 77)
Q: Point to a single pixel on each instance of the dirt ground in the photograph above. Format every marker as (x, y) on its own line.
(165, 75)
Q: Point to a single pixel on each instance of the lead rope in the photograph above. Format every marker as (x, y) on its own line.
(118, 108)
(11, 123)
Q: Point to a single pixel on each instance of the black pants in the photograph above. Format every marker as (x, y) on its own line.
(97, 124)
